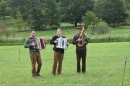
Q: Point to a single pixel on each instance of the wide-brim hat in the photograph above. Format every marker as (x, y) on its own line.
(79, 27)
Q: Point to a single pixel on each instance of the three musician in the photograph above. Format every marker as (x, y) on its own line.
(34, 54)
(80, 40)
(58, 52)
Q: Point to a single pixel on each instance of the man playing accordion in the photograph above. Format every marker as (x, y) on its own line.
(34, 53)
(58, 51)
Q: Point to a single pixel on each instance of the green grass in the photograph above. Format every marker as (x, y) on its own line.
(101, 59)
(122, 31)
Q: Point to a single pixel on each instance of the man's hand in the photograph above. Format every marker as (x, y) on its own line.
(85, 42)
(67, 44)
(79, 40)
(33, 44)
(56, 41)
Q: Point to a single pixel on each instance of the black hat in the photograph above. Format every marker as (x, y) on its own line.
(79, 27)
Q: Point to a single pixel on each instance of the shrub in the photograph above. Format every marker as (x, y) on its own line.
(12, 41)
(90, 40)
(100, 28)
(2, 29)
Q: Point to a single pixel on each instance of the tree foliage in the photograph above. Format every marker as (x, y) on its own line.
(20, 23)
(52, 15)
(90, 18)
(47, 14)
(126, 4)
(73, 10)
(3, 10)
(39, 14)
(111, 11)
(37, 18)
(22, 6)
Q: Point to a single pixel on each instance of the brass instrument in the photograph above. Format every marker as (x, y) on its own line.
(82, 37)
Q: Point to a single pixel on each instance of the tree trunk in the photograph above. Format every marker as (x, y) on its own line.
(4, 18)
(75, 24)
(114, 25)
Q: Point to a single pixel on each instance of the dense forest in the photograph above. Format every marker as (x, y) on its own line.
(49, 14)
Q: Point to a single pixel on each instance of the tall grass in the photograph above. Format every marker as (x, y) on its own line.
(101, 59)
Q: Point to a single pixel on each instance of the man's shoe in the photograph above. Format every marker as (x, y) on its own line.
(59, 73)
(39, 75)
(78, 72)
(34, 76)
(84, 72)
(53, 74)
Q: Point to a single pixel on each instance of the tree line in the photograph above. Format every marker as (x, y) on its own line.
(48, 14)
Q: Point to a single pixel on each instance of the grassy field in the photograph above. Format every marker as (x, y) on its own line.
(118, 34)
(105, 66)
(122, 31)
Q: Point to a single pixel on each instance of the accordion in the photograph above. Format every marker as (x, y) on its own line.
(40, 43)
(62, 43)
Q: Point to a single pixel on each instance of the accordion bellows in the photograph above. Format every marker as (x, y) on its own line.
(62, 43)
(40, 42)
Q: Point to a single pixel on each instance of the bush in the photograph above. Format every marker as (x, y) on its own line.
(90, 40)
(109, 39)
(2, 29)
(11, 42)
(100, 28)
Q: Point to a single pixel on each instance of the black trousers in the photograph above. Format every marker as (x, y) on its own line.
(81, 55)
